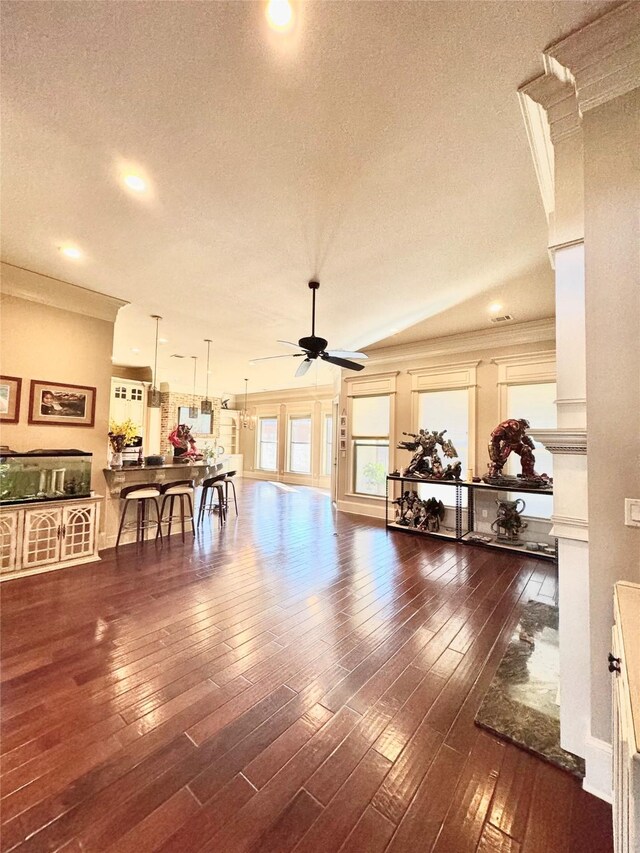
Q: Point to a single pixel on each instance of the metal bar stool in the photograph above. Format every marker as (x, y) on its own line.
(210, 486)
(183, 490)
(228, 481)
(142, 494)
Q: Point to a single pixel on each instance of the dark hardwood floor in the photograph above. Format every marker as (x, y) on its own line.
(297, 681)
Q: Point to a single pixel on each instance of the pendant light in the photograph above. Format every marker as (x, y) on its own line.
(205, 405)
(194, 411)
(153, 398)
(246, 422)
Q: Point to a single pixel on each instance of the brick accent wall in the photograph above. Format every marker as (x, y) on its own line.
(170, 402)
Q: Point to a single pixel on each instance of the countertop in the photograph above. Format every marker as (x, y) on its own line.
(175, 466)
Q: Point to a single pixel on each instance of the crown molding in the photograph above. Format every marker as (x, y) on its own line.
(535, 331)
(601, 60)
(44, 290)
(306, 394)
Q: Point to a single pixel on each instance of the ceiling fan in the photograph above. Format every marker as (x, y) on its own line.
(314, 347)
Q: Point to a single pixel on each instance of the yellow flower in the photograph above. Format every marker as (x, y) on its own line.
(127, 429)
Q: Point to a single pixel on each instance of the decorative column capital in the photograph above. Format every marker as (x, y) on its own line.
(571, 442)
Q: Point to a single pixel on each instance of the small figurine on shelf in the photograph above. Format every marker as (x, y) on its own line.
(426, 462)
(509, 437)
(508, 522)
(433, 515)
(184, 444)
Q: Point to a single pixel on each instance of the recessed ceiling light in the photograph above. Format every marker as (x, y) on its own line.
(279, 14)
(394, 331)
(135, 183)
(495, 307)
(163, 341)
(71, 252)
(135, 349)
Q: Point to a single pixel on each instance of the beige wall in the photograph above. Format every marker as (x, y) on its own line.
(52, 344)
(281, 404)
(612, 265)
(486, 398)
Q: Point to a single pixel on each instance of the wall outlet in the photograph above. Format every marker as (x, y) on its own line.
(632, 512)
(485, 513)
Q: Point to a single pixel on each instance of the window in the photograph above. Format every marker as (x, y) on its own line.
(300, 445)
(136, 393)
(535, 403)
(448, 410)
(370, 443)
(120, 392)
(268, 444)
(202, 425)
(327, 445)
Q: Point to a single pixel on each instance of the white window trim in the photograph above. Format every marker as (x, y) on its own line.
(266, 414)
(451, 377)
(532, 368)
(384, 381)
(374, 385)
(296, 415)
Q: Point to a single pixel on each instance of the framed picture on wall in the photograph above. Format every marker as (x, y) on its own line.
(10, 387)
(61, 405)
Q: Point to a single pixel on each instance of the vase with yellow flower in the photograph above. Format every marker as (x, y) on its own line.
(120, 435)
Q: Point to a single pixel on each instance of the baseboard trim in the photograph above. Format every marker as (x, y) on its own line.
(598, 760)
(355, 508)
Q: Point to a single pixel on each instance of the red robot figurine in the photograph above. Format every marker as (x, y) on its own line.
(511, 436)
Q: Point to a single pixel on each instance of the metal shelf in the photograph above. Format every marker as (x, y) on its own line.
(458, 534)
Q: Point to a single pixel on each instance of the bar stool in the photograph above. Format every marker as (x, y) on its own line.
(209, 486)
(142, 494)
(183, 490)
(228, 481)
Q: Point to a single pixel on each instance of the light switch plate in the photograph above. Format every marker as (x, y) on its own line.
(632, 512)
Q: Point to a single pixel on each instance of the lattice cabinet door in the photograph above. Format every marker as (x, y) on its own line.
(41, 541)
(78, 531)
(9, 538)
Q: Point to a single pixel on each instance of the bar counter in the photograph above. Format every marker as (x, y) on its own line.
(119, 478)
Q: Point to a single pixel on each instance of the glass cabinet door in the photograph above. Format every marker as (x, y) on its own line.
(9, 522)
(78, 523)
(41, 537)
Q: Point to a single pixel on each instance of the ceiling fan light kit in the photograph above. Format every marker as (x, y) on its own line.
(314, 347)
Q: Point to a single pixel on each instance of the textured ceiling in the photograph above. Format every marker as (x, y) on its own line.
(379, 147)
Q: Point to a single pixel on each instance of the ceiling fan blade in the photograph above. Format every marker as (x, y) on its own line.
(343, 353)
(269, 357)
(289, 344)
(341, 362)
(303, 367)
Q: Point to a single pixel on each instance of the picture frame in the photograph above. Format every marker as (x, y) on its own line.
(10, 391)
(61, 404)
(343, 432)
(343, 444)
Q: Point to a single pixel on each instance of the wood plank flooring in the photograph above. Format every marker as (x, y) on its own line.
(299, 681)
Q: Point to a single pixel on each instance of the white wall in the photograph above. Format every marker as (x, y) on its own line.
(612, 266)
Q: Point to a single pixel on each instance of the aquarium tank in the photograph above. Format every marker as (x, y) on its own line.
(44, 475)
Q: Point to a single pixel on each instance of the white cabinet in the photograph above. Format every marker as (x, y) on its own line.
(40, 538)
(127, 402)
